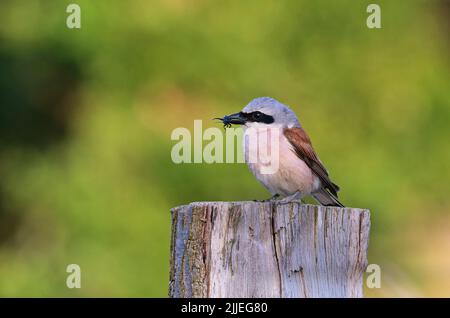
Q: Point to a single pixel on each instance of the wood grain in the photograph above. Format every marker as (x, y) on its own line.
(267, 249)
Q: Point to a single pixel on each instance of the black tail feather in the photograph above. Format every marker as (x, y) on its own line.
(326, 198)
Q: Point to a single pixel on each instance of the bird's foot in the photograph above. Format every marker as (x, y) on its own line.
(292, 197)
(272, 198)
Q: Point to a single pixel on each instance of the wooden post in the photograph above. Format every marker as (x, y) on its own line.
(267, 249)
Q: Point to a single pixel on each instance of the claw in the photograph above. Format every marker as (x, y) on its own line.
(272, 198)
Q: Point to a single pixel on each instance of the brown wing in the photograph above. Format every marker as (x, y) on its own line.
(305, 151)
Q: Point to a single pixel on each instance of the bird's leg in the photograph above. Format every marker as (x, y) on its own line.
(295, 196)
(272, 198)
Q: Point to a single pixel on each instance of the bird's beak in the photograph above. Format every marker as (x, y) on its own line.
(237, 119)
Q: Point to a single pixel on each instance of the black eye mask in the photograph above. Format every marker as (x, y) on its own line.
(258, 117)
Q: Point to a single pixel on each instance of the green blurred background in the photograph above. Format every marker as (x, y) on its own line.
(86, 115)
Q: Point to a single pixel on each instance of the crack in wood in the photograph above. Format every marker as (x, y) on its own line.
(274, 240)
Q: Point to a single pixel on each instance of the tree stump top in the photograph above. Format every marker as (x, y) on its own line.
(267, 249)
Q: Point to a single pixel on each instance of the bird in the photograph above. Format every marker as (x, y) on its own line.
(300, 172)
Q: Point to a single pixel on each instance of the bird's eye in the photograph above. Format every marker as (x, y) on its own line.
(256, 115)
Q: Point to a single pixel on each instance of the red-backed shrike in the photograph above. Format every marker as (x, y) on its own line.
(299, 170)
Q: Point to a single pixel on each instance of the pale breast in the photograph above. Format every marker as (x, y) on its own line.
(270, 158)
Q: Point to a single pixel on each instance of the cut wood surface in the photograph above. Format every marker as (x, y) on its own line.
(267, 249)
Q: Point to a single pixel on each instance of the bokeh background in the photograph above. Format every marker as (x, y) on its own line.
(86, 116)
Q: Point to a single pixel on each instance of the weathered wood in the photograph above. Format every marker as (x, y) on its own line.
(268, 249)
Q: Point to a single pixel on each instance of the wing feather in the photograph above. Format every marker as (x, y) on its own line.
(302, 146)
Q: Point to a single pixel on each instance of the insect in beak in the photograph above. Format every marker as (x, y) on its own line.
(237, 119)
(226, 123)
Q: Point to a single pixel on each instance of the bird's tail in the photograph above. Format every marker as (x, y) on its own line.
(326, 198)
